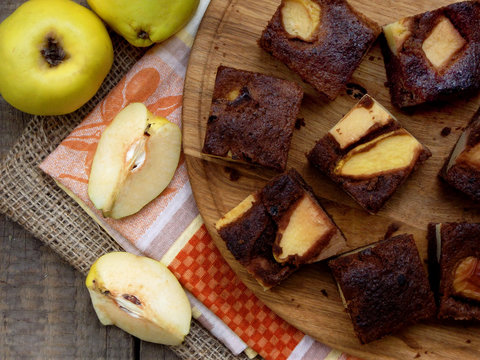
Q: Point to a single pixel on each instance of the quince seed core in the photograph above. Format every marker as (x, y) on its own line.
(142, 34)
(132, 298)
(53, 52)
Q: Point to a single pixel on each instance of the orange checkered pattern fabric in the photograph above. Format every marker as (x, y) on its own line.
(201, 269)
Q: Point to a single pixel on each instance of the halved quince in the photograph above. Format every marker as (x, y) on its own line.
(388, 152)
(135, 160)
(140, 296)
(301, 18)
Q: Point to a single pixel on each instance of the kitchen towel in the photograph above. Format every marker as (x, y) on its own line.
(170, 228)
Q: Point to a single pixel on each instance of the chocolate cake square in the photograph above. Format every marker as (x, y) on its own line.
(252, 118)
(462, 168)
(454, 267)
(323, 41)
(280, 227)
(434, 55)
(368, 153)
(384, 287)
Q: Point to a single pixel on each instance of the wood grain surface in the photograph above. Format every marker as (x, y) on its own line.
(228, 35)
(45, 309)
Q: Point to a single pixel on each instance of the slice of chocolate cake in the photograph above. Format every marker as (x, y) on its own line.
(384, 287)
(434, 55)
(462, 168)
(454, 263)
(279, 228)
(323, 41)
(252, 118)
(368, 153)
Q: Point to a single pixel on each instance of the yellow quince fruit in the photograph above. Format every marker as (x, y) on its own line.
(144, 22)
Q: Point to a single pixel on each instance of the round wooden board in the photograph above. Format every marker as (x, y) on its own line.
(309, 299)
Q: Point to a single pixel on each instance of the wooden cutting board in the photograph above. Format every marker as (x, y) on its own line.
(309, 299)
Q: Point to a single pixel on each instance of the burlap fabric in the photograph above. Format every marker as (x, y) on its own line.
(32, 199)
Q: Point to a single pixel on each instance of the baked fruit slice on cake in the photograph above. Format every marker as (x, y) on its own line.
(384, 287)
(434, 55)
(454, 267)
(323, 41)
(462, 168)
(252, 118)
(368, 153)
(277, 229)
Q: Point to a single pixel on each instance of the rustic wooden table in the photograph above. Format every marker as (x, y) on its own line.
(45, 309)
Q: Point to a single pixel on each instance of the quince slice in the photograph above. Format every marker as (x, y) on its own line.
(466, 280)
(471, 156)
(233, 94)
(135, 160)
(364, 116)
(301, 18)
(465, 152)
(236, 213)
(396, 33)
(388, 152)
(304, 232)
(442, 43)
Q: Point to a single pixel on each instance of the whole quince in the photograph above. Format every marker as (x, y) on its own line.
(55, 55)
(144, 22)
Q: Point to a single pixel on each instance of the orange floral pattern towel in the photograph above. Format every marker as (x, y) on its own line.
(170, 228)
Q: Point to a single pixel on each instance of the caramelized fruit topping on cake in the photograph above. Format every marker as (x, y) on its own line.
(442, 43)
(301, 18)
(389, 152)
(466, 281)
